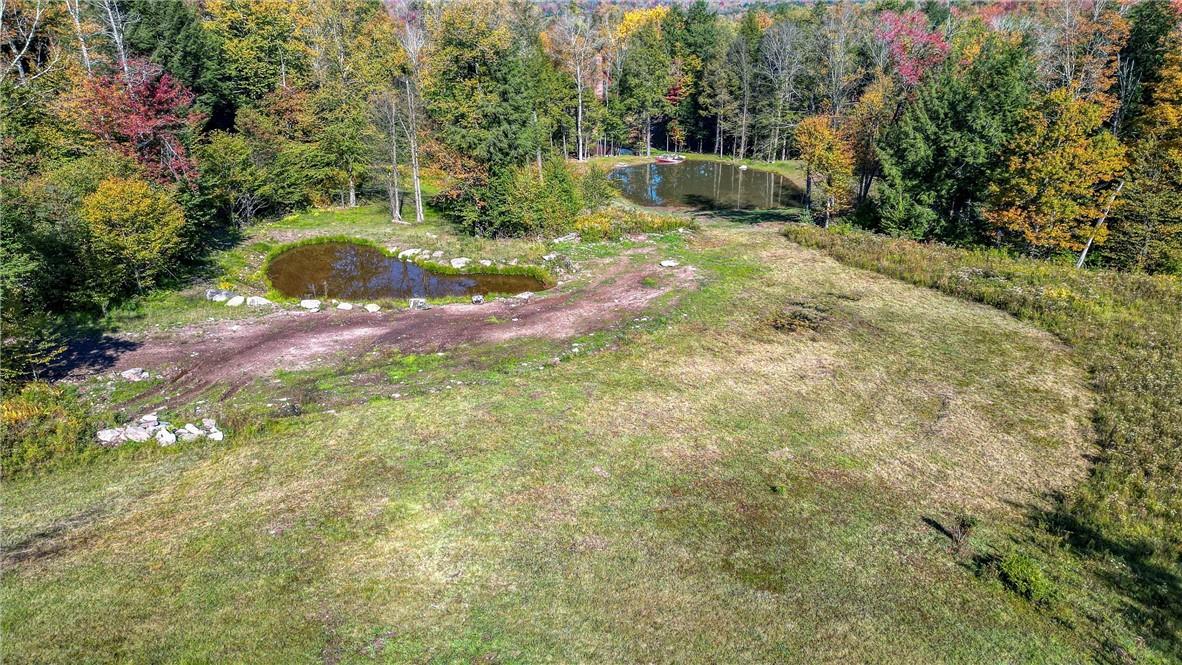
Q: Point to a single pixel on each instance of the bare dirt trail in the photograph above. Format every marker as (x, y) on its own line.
(233, 353)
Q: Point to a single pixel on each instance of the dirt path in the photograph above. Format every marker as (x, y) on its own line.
(234, 353)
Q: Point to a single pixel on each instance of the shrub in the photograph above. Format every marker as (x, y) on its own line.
(596, 226)
(616, 222)
(1022, 575)
(134, 230)
(40, 427)
(597, 188)
(518, 201)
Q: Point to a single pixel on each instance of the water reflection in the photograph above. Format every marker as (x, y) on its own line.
(705, 184)
(346, 270)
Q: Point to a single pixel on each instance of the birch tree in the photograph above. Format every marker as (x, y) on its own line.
(412, 36)
(782, 58)
(74, 8)
(578, 44)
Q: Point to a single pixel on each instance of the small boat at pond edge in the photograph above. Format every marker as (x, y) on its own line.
(670, 159)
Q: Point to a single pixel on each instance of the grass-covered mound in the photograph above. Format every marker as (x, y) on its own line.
(1127, 328)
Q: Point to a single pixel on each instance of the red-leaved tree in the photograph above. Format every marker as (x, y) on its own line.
(143, 115)
(914, 47)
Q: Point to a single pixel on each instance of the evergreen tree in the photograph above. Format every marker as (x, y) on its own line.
(941, 156)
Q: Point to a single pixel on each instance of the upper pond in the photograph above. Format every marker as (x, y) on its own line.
(705, 184)
(359, 272)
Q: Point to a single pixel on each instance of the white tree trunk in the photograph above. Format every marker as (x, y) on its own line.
(579, 116)
(75, 10)
(392, 183)
(412, 137)
(115, 24)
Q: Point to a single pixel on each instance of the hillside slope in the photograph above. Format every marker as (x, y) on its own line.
(761, 469)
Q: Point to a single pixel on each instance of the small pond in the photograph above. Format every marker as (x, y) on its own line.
(358, 272)
(706, 185)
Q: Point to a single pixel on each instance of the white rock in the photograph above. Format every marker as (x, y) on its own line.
(150, 418)
(133, 433)
(460, 263)
(186, 435)
(235, 301)
(217, 295)
(345, 306)
(407, 253)
(216, 435)
(549, 257)
(485, 262)
(743, 167)
(418, 303)
(310, 304)
(669, 263)
(257, 301)
(134, 374)
(477, 299)
(209, 423)
(371, 308)
(193, 429)
(570, 237)
(437, 254)
(165, 438)
(110, 436)
(524, 295)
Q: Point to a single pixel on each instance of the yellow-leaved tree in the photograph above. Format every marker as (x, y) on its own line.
(828, 163)
(134, 232)
(1053, 190)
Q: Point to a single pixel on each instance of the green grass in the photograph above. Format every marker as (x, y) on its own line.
(697, 485)
(1119, 532)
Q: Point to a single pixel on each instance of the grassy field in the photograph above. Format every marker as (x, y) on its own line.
(1115, 539)
(765, 470)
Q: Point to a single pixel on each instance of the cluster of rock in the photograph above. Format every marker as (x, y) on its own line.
(233, 300)
(151, 427)
(313, 305)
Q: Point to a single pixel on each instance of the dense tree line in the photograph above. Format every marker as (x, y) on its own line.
(139, 133)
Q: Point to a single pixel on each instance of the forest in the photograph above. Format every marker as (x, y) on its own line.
(139, 134)
(923, 405)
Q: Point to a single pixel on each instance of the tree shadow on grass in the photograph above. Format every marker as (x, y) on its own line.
(1149, 585)
(88, 349)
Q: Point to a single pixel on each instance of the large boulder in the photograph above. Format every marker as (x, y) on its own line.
(165, 438)
(236, 301)
(257, 301)
(460, 263)
(345, 306)
(110, 437)
(133, 433)
(372, 308)
(418, 303)
(310, 305)
(134, 374)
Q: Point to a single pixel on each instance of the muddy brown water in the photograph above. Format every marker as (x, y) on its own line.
(352, 271)
(706, 185)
